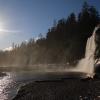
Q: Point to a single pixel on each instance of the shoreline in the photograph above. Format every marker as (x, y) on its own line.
(63, 89)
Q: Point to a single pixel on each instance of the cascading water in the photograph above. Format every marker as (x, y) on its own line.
(87, 63)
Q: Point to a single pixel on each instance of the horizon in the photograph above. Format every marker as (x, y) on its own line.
(22, 20)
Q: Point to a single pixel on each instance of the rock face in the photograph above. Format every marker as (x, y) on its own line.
(97, 68)
(64, 89)
(97, 71)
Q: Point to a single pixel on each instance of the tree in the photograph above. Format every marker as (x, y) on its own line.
(88, 19)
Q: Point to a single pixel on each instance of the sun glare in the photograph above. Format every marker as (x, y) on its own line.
(1, 28)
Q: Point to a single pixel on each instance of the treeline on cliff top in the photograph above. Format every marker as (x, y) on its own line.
(65, 41)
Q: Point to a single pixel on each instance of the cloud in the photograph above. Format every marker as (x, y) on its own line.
(36, 38)
(26, 41)
(8, 31)
(8, 49)
(5, 32)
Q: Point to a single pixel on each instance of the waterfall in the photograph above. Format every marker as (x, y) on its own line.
(87, 63)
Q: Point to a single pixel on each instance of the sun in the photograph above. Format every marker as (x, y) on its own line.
(1, 30)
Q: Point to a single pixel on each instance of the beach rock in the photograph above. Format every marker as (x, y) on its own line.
(66, 89)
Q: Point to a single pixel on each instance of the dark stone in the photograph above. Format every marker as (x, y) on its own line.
(97, 69)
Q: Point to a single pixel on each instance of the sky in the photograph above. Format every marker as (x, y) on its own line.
(21, 20)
